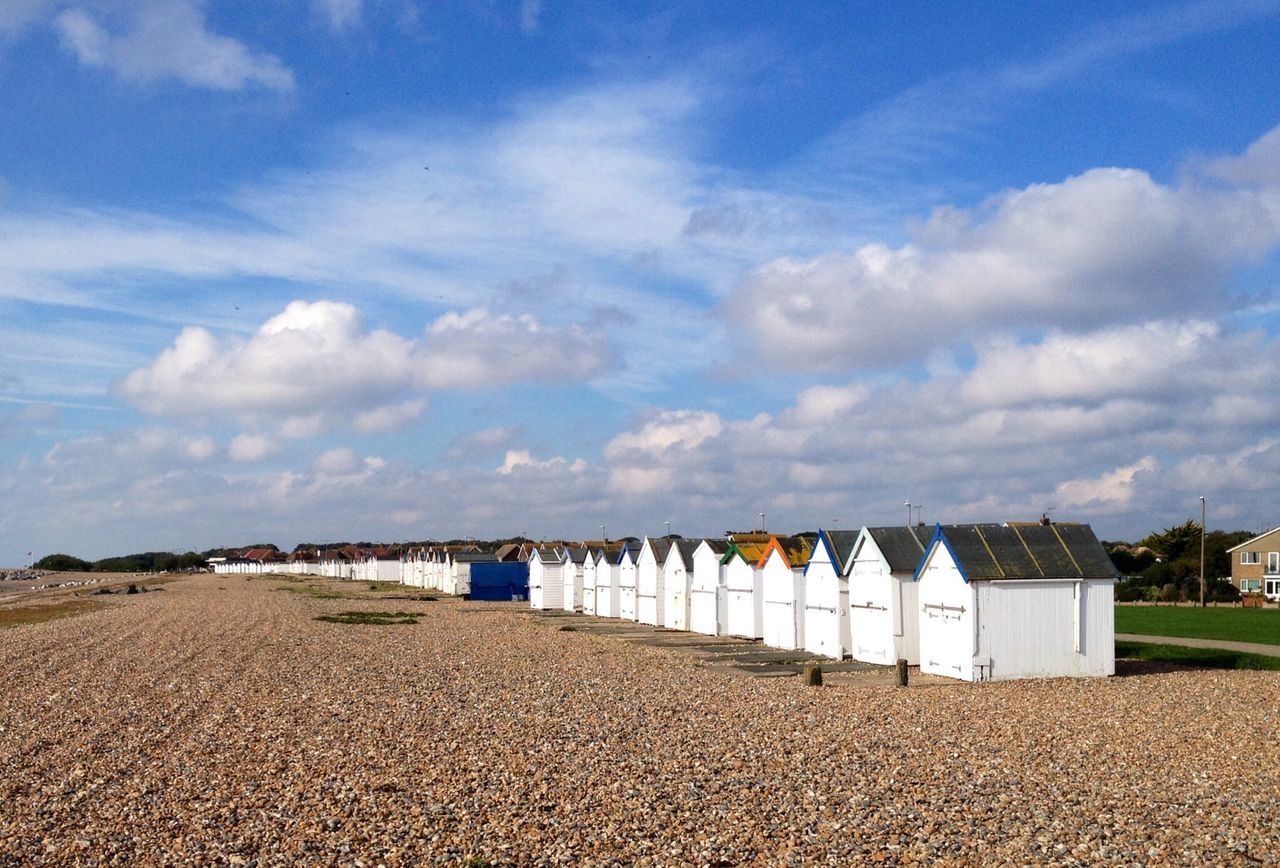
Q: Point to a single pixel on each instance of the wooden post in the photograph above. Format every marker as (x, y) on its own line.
(813, 676)
(900, 675)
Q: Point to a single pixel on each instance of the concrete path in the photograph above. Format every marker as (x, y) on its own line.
(1183, 641)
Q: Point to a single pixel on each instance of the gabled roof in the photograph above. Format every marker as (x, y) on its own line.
(475, 558)
(1025, 551)
(683, 549)
(628, 553)
(794, 550)
(661, 547)
(750, 552)
(838, 545)
(1252, 540)
(508, 552)
(609, 553)
(719, 546)
(903, 547)
(547, 556)
(577, 555)
(260, 554)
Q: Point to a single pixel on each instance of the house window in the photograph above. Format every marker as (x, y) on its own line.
(1247, 585)
(1250, 557)
(1273, 562)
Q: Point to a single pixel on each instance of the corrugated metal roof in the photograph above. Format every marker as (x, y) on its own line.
(1028, 551)
(902, 547)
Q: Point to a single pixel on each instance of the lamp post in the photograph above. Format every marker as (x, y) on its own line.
(668, 524)
(1202, 532)
(908, 506)
(603, 536)
(761, 522)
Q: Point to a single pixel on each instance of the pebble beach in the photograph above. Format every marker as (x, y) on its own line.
(218, 722)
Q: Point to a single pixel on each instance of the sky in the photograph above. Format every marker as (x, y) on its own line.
(385, 270)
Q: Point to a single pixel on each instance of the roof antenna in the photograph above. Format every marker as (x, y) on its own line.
(1044, 516)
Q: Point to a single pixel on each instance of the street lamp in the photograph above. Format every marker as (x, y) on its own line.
(603, 536)
(761, 522)
(1202, 531)
(668, 524)
(908, 506)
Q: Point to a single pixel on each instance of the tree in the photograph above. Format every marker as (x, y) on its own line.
(62, 563)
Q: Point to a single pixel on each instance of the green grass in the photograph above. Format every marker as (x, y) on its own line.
(381, 618)
(1233, 625)
(317, 593)
(1208, 658)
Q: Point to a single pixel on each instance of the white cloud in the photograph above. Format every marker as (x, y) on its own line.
(1103, 246)
(340, 14)
(337, 462)
(391, 417)
(530, 12)
(201, 448)
(161, 40)
(316, 365)
(522, 460)
(313, 358)
(250, 448)
(1113, 487)
(481, 349)
(669, 432)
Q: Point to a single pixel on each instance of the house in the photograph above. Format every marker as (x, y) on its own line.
(546, 579)
(649, 580)
(1255, 565)
(884, 611)
(744, 612)
(627, 581)
(826, 595)
(708, 598)
(783, 590)
(575, 559)
(677, 583)
(1020, 600)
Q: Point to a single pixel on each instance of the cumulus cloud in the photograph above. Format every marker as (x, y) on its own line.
(250, 447)
(481, 349)
(160, 40)
(316, 364)
(1107, 245)
(1113, 487)
(337, 462)
(522, 460)
(669, 431)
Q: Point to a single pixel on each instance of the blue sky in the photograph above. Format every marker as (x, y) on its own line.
(396, 270)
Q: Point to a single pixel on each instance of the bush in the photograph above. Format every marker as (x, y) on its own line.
(62, 563)
(1128, 592)
(1170, 593)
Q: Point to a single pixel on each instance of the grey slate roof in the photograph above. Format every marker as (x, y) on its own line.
(903, 547)
(1028, 551)
(578, 556)
(719, 546)
(661, 547)
(475, 557)
(685, 548)
(842, 545)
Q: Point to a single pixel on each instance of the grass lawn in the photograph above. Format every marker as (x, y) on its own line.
(1209, 658)
(1234, 625)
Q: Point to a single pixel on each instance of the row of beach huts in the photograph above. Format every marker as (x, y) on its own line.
(974, 602)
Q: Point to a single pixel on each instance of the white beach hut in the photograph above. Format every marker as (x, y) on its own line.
(745, 599)
(826, 594)
(884, 610)
(649, 580)
(608, 572)
(677, 582)
(460, 570)
(1022, 600)
(575, 560)
(627, 581)
(782, 584)
(589, 573)
(708, 599)
(546, 579)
